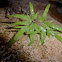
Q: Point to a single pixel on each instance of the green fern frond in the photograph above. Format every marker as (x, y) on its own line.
(32, 28)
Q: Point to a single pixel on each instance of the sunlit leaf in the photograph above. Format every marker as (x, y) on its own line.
(49, 22)
(48, 33)
(35, 16)
(52, 33)
(40, 19)
(42, 33)
(28, 30)
(58, 37)
(19, 33)
(57, 32)
(31, 29)
(15, 38)
(21, 16)
(55, 27)
(45, 12)
(31, 9)
(19, 27)
(31, 39)
(22, 23)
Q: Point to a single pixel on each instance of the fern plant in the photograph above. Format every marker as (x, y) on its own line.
(30, 27)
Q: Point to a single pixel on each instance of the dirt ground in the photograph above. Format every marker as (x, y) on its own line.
(21, 52)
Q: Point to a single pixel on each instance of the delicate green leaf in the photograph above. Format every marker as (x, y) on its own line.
(49, 22)
(21, 16)
(37, 31)
(34, 16)
(58, 37)
(28, 30)
(31, 29)
(36, 26)
(15, 38)
(52, 33)
(31, 9)
(42, 33)
(31, 39)
(19, 27)
(40, 19)
(18, 34)
(21, 23)
(46, 25)
(48, 33)
(49, 28)
(57, 32)
(55, 27)
(45, 12)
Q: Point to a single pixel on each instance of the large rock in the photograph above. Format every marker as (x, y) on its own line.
(51, 51)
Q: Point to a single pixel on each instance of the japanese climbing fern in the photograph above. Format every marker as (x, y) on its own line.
(30, 27)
